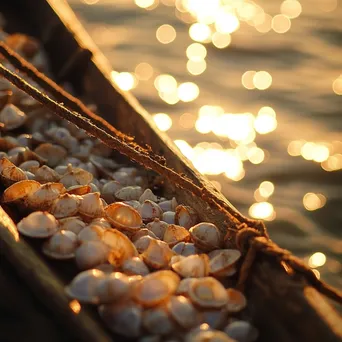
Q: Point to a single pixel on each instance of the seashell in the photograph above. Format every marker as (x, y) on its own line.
(90, 233)
(241, 331)
(129, 193)
(169, 205)
(236, 300)
(123, 216)
(79, 190)
(25, 155)
(19, 191)
(148, 195)
(66, 205)
(142, 243)
(124, 318)
(123, 178)
(135, 266)
(184, 286)
(93, 187)
(89, 167)
(149, 211)
(53, 154)
(44, 197)
(223, 259)
(208, 336)
(38, 138)
(62, 245)
(130, 171)
(121, 247)
(38, 225)
(30, 175)
(12, 174)
(206, 236)
(30, 165)
(193, 266)
(106, 268)
(134, 204)
(101, 150)
(208, 292)
(113, 287)
(84, 286)
(175, 234)
(91, 205)
(91, 254)
(12, 117)
(169, 217)
(25, 140)
(76, 176)
(157, 255)
(175, 259)
(157, 321)
(226, 273)
(214, 318)
(142, 232)
(14, 151)
(45, 174)
(185, 216)
(100, 221)
(183, 312)
(185, 249)
(157, 227)
(156, 288)
(73, 224)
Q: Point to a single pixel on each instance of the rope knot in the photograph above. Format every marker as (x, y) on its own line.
(244, 236)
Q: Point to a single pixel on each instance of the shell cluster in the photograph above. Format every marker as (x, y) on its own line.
(154, 271)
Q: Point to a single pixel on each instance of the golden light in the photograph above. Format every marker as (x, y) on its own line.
(170, 97)
(196, 52)
(262, 80)
(196, 67)
(333, 163)
(266, 121)
(266, 189)
(143, 71)
(317, 259)
(185, 148)
(163, 121)
(234, 169)
(75, 306)
(200, 32)
(247, 11)
(204, 124)
(226, 22)
(247, 79)
(321, 153)
(166, 34)
(328, 5)
(337, 86)
(307, 150)
(145, 3)
(165, 83)
(266, 25)
(256, 155)
(187, 121)
(221, 40)
(314, 201)
(262, 210)
(295, 147)
(90, 2)
(188, 91)
(317, 273)
(125, 80)
(281, 23)
(291, 8)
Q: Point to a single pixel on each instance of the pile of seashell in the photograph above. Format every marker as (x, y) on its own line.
(153, 270)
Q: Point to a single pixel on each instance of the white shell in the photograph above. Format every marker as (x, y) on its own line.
(91, 205)
(174, 234)
(185, 216)
(142, 243)
(129, 193)
(66, 205)
(157, 255)
(29, 165)
(20, 190)
(169, 205)
(45, 174)
(241, 331)
(157, 227)
(135, 266)
(12, 174)
(91, 254)
(76, 176)
(134, 204)
(236, 300)
(142, 232)
(53, 154)
(73, 224)
(12, 117)
(148, 195)
(157, 321)
(222, 260)
(91, 233)
(123, 216)
(84, 286)
(149, 211)
(206, 236)
(169, 217)
(185, 249)
(62, 245)
(38, 225)
(109, 189)
(184, 286)
(193, 266)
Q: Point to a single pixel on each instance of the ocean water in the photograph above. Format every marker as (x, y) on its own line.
(282, 163)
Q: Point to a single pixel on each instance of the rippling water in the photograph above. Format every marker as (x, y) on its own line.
(294, 144)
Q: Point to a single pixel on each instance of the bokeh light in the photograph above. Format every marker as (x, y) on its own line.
(166, 34)
(196, 52)
(291, 8)
(266, 189)
(226, 22)
(124, 80)
(165, 83)
(266, 120)
(163, 121)
(143, 71)
(317, 259)
(187, 121)
(314, 201)
(337, 86)
(262, 210)
(188, 91)
(148, 4)
(196, 67)
(200, 32)
(262, 80)
(221, 40)
(247, 79)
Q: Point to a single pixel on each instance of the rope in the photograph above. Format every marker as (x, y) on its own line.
(251, 236)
